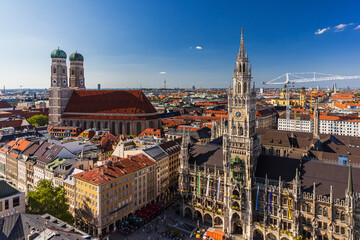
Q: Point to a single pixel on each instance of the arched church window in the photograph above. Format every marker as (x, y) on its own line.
(239, 88)
(241, 131)
(84, 125)
(138, 128)
(320, 210)
(245, 87)
(342, 216)
(54, 70)
(72, 72)
(244, 67)
(77, 123)
(70, 123)
(239, 67)
(91, 124)
(63, 71)
(113, 128)
(337, 214)
(98, 125)
(128, 128)
(106, 125)
(325, 212)
(120, 128)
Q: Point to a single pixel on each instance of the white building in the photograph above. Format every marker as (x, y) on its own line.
(295, 125)
(326, 126)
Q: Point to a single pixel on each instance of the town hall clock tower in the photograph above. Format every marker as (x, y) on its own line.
(243, 142)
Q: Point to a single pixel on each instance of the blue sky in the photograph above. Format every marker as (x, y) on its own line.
(128, 43)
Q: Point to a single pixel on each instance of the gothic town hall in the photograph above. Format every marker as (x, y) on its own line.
(232, 184)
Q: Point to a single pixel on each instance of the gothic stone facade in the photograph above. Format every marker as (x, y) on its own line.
(256, 196)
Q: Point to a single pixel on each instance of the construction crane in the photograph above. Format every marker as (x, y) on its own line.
(294, 78)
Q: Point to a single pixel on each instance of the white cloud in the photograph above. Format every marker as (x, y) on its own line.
(340, 27)
(198, 47)
(321, 31)
(357, 27)
(162, 73)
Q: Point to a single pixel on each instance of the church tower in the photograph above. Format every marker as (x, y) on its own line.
(244, 143)
(302, 97)
(59, 92)
(76, 79)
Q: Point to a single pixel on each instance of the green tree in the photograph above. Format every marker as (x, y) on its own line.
(49, 199)
(38, 120)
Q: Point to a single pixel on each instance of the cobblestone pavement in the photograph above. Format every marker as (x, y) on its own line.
(167, 217)
(161, 223)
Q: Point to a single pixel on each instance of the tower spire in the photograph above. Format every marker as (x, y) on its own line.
(242, 53)
(350, 188)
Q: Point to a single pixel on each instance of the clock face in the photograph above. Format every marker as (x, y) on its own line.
(238, 114)
(64, 82)
(54, 81)
(81, 82)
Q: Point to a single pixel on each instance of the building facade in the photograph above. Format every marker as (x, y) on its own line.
(259, 196)
(70, 104)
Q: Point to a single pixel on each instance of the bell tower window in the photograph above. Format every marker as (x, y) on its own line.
(63, 71)
(54, 70)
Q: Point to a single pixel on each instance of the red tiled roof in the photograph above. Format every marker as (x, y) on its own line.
(5, 104)
(151, 132)
(111, 102)
(116, 168)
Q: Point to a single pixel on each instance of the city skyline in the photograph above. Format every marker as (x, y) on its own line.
(126, 45)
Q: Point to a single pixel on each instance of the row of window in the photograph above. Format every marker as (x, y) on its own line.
(16, 203)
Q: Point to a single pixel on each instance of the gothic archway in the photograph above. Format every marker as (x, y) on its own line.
(208, 219)
(236, 194)
(235, 206)
(198, 215)
(258, 235)
(236, 224)
(271, 236)
(218, 222)
(187, 212)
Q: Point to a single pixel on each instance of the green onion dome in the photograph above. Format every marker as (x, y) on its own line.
(58, 53)
(76, 57)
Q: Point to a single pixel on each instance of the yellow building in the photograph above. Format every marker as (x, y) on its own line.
(298, 102)
(104, 195)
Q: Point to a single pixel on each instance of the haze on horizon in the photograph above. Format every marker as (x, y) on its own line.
(131, 43)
